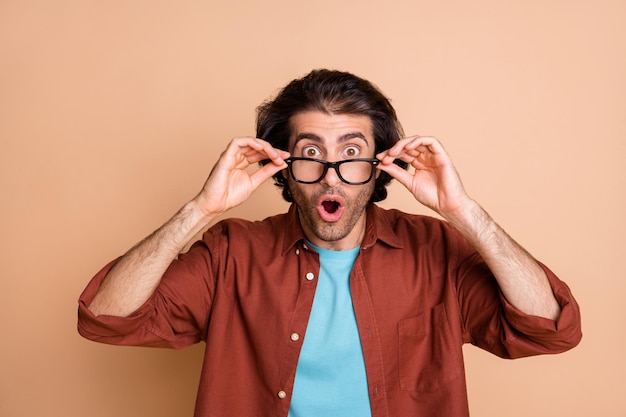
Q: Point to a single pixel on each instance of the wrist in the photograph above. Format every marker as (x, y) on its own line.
(463, 213)
(198, 212)
(202, 209)
(471, 220)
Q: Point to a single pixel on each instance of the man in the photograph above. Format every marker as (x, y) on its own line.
(338, 307)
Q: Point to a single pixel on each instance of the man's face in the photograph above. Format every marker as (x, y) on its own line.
(332, 212)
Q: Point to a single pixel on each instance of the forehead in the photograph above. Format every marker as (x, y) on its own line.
(330, 128)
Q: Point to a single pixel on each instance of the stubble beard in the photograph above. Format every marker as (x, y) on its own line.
(330, 231)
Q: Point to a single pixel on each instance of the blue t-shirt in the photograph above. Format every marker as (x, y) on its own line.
(330, 376)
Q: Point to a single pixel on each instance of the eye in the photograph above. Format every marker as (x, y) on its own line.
(310, 152)
(351, 151)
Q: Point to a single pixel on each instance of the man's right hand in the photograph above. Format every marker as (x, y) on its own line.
(133, 279)
(230, 182)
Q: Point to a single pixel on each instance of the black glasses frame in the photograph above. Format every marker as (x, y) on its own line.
(334, 165)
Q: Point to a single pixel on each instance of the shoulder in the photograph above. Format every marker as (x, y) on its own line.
(275, 234)
(245, 228)
(409, 229)
(399, 220)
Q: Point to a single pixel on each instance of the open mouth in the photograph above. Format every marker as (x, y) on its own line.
(330, 206)
(330, 209)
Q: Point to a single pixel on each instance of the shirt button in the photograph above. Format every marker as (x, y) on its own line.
(305, 246)
(282, 394)
(310, 276)
(295, 337)
(297, 251)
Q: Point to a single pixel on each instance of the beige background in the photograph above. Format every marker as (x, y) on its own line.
(113, 112)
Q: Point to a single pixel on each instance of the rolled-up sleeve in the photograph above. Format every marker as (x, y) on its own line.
(542, 335)
(491, 322)
(175, 316)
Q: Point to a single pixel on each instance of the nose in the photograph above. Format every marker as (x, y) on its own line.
(331, 179)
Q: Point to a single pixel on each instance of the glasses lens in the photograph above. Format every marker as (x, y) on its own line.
(307, 171)
(355, 171)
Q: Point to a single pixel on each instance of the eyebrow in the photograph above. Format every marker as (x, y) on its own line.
(342, 138)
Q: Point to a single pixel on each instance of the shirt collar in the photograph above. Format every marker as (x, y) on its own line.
(377, 227)
(293, 232)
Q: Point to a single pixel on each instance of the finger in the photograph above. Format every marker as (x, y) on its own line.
(399, 147)
(401, 175)
(402, 147)
(407, 155)
(264, 173)
(277, 156)
(250, 150)
(421, 148)
(267, 151)
(420, 143)
(429, 144)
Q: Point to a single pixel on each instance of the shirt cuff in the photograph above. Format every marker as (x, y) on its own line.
(112, 329)
(561, 334)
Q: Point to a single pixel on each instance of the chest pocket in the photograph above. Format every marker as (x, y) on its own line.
(430, 357)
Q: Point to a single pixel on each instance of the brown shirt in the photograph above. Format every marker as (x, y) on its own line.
(419, 292)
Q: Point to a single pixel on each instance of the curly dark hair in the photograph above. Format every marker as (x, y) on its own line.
(331, 92)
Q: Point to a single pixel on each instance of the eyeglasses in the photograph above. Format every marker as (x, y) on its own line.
(351, 171)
